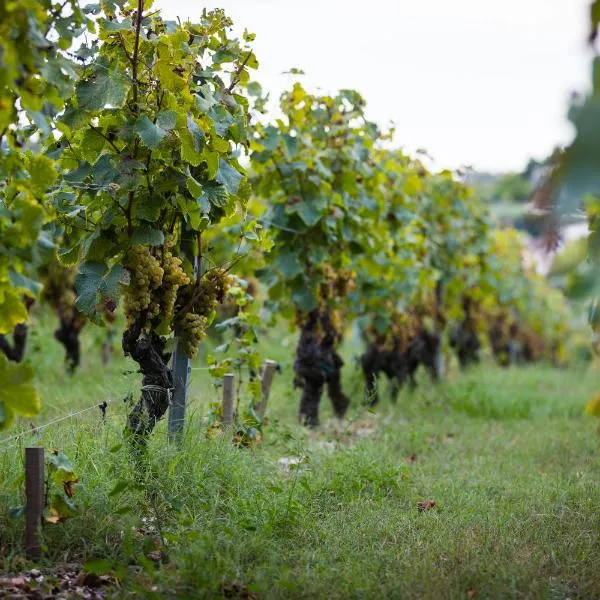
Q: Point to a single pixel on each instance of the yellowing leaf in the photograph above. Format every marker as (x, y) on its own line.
(12, 310)
(17, 394)
(593, 406)
(42, 172)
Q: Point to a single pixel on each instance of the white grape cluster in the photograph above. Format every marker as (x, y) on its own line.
(193, 330)
(146, 276)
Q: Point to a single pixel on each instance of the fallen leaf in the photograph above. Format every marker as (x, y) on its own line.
(426, 505)
(155, 555)
(234, 590)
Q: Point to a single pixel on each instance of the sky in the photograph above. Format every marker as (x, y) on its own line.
(474, 82)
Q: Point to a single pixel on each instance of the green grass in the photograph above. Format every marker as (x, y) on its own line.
(507, 456)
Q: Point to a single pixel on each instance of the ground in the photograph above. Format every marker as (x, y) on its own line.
(484, 487)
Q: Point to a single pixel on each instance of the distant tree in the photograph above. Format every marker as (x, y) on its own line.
(511, 187)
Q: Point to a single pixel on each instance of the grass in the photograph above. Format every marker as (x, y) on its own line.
(507, 455)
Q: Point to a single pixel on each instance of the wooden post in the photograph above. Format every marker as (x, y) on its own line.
(228, 382)
(265, 386)
(34, 498)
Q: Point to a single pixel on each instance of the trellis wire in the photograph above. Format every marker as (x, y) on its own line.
(18, 436)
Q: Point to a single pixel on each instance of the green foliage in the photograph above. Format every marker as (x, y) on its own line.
(245, 518)
(573, 182)
(315, 167)
(17, 394)
(35, 77)
(149, 153)
(512, 187)
(60, 480)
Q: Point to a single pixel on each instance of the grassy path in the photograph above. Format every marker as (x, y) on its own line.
(507, 456)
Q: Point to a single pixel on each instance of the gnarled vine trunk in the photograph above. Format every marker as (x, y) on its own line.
(505, 346)
(148, 350)
(464, 338)
(393, 363)
(16, 350)
(68, 335)
(317, 365)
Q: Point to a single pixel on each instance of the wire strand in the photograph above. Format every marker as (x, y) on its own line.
(18, 436)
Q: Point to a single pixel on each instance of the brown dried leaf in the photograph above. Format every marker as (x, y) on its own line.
(155, 555)
(426, 505)
(235, 590)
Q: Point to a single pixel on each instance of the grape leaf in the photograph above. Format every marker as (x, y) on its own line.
(150, 134)
(229, 177)
(17, 394)
(106, 87)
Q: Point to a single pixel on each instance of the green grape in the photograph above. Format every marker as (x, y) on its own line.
(192, 330)
(146, 275)
(174, 278)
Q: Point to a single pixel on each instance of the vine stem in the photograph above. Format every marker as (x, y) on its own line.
(136, 48)
(101, 134)
(135, 107)
(236, 77)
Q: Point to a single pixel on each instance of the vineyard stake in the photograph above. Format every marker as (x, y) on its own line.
(34, 499)
(265, 386)
(228, 382)
(181, 373)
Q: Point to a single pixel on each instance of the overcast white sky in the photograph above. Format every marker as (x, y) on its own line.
(475, 82)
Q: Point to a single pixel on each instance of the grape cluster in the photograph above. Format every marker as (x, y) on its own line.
(344, 282)
(335, 284)
(146, 276)
(174, 277)
(197, 303)
(59, 288)
(405, 328)
(192, 331)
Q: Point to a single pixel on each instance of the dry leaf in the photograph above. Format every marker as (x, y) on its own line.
(426, 505)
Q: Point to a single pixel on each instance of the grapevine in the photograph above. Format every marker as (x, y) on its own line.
(170, 176)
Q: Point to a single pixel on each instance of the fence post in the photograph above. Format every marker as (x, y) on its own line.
(228, 382)
(265, 386)
(439, 363)
(180, 368)
(34, 498)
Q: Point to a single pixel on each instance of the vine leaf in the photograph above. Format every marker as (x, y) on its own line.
(309, 214)
(229, 177)
(147, 235)
(93, 286)
(17, 394)
(149, 133)
(106, 87)
(215, 194)
(12, 310)
(287, 262)
(305, 300)
(167, 119)
(18, 280)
